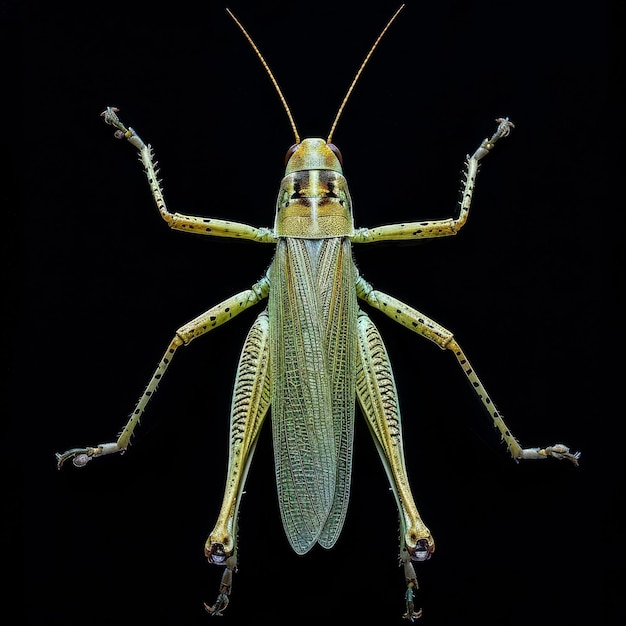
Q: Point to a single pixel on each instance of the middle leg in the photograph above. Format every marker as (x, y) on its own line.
(426, 327)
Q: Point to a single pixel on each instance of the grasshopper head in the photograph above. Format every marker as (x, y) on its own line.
(313, 200)
(313, 154)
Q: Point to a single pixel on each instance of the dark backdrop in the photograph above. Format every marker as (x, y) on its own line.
(96, 284)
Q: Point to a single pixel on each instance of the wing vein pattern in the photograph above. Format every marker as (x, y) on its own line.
(313, 362)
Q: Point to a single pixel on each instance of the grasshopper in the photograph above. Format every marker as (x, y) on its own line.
(312, 353)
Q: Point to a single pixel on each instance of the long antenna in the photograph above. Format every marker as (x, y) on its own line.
(267, 69)
(356, 78)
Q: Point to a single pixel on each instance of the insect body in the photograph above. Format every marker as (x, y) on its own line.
(312, 354)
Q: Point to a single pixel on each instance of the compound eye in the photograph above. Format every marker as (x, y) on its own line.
(337, 152)
(290, 152)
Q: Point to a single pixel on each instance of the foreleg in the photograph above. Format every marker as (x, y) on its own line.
(179, 221)
(439, 228)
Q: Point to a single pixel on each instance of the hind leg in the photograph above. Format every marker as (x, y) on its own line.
(251, 401)
(376, 392)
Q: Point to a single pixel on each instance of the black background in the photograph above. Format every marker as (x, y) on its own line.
(96, 285)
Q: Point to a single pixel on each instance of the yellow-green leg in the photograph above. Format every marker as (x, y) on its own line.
(214, 317)
(424, 326)
(251, 400)
(179, 221)
(378, 399)
(429, 229)
(250, 403)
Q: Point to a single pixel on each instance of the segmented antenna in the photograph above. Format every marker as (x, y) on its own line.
(356, 77)
(350, 89)
(269, 72)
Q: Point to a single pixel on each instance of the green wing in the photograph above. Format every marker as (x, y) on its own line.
(313, 314)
